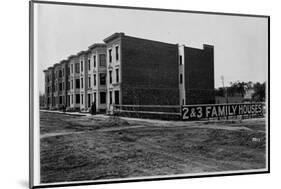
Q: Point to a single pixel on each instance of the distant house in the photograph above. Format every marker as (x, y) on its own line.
(231, 99)
(248, 94)
(236, 98)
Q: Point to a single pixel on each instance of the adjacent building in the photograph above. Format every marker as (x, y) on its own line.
(127, 70)
(97, 86)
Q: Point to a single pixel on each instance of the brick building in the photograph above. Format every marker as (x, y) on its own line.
(97, 90)
(128, 70)
(143, 71)
(196, 75)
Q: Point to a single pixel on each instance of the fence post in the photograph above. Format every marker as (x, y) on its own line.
(181, 107)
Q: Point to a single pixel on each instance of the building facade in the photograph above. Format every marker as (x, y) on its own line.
(97, 87)
(127, 70)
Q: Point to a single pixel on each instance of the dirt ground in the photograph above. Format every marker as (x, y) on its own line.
(77, 148)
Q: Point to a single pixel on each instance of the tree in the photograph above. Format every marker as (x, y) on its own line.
(239, 88)
(219, 92)
(259, 92)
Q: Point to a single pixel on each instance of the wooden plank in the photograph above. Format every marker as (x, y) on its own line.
(148, 112)
(149, 106)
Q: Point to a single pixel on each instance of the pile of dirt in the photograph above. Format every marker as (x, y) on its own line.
(115, 121)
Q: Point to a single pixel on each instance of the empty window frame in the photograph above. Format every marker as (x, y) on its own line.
(180, 78)
(117, 75)
(110, 76)
(77, 98)
(77, 83)
(102, 97)
(89, 81)
(60, 86)
(95, 79)
(110, 97)
(77, 68)
(117, 52)
(71, 68)
(110, 55)
(102, 79)
(81, 66)
(95, 61)
(180, 59)
(102, 60)
(82, 83)
(116, 97)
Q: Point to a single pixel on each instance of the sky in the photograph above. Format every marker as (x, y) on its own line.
(240, 43)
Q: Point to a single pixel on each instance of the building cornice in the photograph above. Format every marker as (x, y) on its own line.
(97, 45)
(113, 36)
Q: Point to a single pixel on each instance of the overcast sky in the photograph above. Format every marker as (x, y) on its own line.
(240, 43)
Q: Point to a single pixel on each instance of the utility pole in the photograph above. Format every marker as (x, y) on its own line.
(225, 89)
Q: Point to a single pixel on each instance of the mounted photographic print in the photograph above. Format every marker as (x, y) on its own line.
(122, 94)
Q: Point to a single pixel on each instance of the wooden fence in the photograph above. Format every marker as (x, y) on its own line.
(191, 112)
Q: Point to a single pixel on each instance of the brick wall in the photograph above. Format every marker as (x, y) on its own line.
(149, 72)
(199, 75)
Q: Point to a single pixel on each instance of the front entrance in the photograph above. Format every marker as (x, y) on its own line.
(116, 97)
(89, 100)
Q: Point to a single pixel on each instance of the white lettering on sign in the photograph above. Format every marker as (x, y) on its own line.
(194, 112)
(199, 109)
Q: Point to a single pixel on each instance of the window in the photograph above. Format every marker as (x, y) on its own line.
(77, 68)
(102, 97)
(82, 83)
(95, 80)
(102, 60)
(116, 94)
(81, 99)
(77, 96)
(68, 85)
(89, 64)
(117, 75)
(180, 78)
(95, 61)
(71, 68)
(95, 97)
(71, 84)
(110, 76)
(89, 81)
(117, 52)
(81, 66)
(110, 55)
(60, 73)
(60, 100)
(63, 72)
(110, 97)
(60, 86)
(180, 59)
(77, 83)
(102, 79)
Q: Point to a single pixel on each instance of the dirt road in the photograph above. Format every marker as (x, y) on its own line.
(100, 147)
